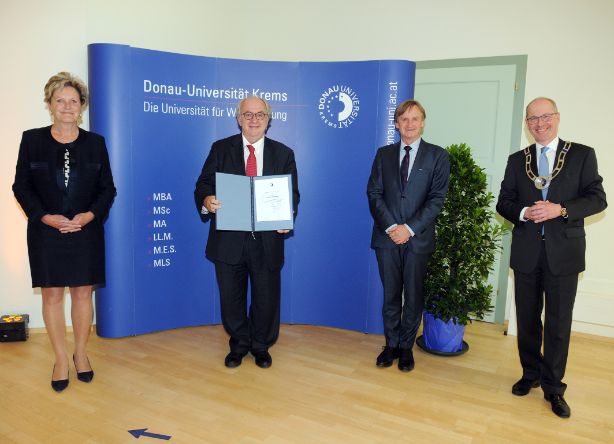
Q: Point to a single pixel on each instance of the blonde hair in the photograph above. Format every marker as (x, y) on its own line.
(62, 80)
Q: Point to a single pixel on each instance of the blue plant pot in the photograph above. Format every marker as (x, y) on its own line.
(444, 337)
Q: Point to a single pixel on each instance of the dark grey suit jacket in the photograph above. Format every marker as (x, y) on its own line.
(578, 187)
(418, 205)
(226, 156)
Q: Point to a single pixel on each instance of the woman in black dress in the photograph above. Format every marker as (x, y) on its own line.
(64, 184)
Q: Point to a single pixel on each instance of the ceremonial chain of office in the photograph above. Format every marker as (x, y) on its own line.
(542, 182)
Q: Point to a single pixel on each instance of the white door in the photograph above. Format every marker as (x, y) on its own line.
(476, 103)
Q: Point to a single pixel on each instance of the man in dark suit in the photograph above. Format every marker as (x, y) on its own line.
(238, 255)
(406, 191)
(547, 191)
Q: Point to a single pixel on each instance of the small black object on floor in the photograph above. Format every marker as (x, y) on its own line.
(14, 327)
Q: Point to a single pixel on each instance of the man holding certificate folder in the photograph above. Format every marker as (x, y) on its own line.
(242, 255)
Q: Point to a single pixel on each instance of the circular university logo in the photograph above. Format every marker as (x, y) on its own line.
(339, 106)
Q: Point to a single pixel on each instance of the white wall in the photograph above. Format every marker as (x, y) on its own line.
(568, 42)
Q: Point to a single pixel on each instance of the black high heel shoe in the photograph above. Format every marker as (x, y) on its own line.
(84, 376)
(60, 384)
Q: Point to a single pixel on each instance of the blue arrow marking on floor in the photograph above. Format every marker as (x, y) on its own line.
(142, 432)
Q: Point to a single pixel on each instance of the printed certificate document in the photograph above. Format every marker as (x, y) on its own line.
(259, 203)
(273, 199)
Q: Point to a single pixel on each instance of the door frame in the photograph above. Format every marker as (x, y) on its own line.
(520, 62)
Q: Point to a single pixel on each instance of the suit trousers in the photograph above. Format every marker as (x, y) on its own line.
(260, 329)
(560, 295)
(402, 272)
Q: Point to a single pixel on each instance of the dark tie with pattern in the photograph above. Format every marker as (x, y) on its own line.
(405, 167)
(250, 165)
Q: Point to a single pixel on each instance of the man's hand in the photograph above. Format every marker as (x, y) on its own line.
(399, 234)
(542, 210)
(212, 204)
(283, 231)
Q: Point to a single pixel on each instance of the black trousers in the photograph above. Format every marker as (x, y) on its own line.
(560, 295)
(259, 329)
(402, 272)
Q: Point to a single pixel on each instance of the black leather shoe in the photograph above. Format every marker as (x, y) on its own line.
(84, 376)
(233, 359)
(263, 358)
(524, 386)
(387, 356)
(59, 384)
(559, 406)
(406, 360)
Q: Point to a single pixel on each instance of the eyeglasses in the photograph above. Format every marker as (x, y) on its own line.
(259, 115)
(546, 118)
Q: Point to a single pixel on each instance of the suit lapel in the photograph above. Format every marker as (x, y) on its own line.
(555, 182)
(537, 194)
(236, 153)
(391, 162)
(533, 150)
(419, 160)
(267, 159)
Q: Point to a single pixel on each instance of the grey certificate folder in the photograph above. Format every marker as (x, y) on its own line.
(259, 203)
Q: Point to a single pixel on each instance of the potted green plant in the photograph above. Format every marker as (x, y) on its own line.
(456, 288)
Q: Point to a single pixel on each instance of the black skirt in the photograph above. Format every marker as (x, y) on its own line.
(66, 260)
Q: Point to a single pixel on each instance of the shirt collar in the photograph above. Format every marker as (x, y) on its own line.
(413, 146)
(554, 143)
(258, 144)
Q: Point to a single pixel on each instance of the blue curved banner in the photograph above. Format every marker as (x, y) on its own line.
(160, 112)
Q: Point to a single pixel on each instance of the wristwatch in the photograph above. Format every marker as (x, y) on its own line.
(563, 211)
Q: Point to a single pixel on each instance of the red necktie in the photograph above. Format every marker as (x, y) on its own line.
(250, 166)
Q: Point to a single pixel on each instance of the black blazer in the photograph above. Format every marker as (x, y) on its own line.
(39, 186)
(578, 187)
(226, 156)
(418, 205)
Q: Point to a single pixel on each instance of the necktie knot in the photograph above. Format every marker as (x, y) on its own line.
(251, 149)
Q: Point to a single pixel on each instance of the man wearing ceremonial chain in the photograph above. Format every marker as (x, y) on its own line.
(549, 188)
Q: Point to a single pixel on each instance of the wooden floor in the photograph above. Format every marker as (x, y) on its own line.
(323, 387)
